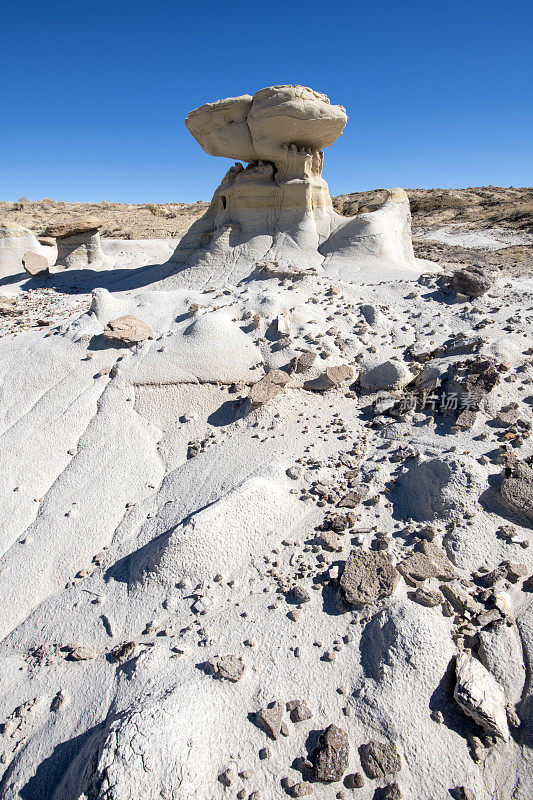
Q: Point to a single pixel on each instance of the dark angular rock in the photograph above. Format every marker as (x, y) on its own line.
(379, 759)
(462, 793)
(391, 792)
(516, 490)
(270, 719)
(122, 651)
(472, 281)
(330, 758)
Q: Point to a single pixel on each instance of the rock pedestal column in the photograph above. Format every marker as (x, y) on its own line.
(78, 243)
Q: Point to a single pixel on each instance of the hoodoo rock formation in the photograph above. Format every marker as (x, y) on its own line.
(78, 242)
(281, 132)
(277, 210)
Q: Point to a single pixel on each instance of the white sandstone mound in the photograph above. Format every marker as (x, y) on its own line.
(226, 535)
(439, 488)
(15, 242)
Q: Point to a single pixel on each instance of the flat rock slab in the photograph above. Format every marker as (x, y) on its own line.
(74, 227)
(444, 568)
(368, 576)
(379, 759)
(127, 330)
(417, 568)
(268, 387)
(331, 378)
(33, 263)
(330, 758)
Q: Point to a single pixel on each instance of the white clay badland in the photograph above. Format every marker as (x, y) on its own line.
(176, 557)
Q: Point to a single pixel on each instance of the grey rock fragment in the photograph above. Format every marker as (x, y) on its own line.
(293, 473)
(460, 599)
(480, 696)
(303, 362)
(444, 568)
(58, 701)
(229, 668)
(268, 387)
(462, 793)
(379, 759)
(416, 568)
(228, 777)
(270, 719)
(81, 653)
(466, 419)
(353, 498)
(331, 378)
(516, 490)
(428, 597)
(300, 595)
(123, 651)
(391, 792)
(367, 577)
(127, 330)
(299, 710)
(329, 540)
(302, 789)
(472, 281)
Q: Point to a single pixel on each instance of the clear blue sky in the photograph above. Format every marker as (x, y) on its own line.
(94, 94)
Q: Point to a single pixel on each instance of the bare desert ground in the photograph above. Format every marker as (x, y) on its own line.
(442, 221)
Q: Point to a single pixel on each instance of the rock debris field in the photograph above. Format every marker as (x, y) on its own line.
(267, 496)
